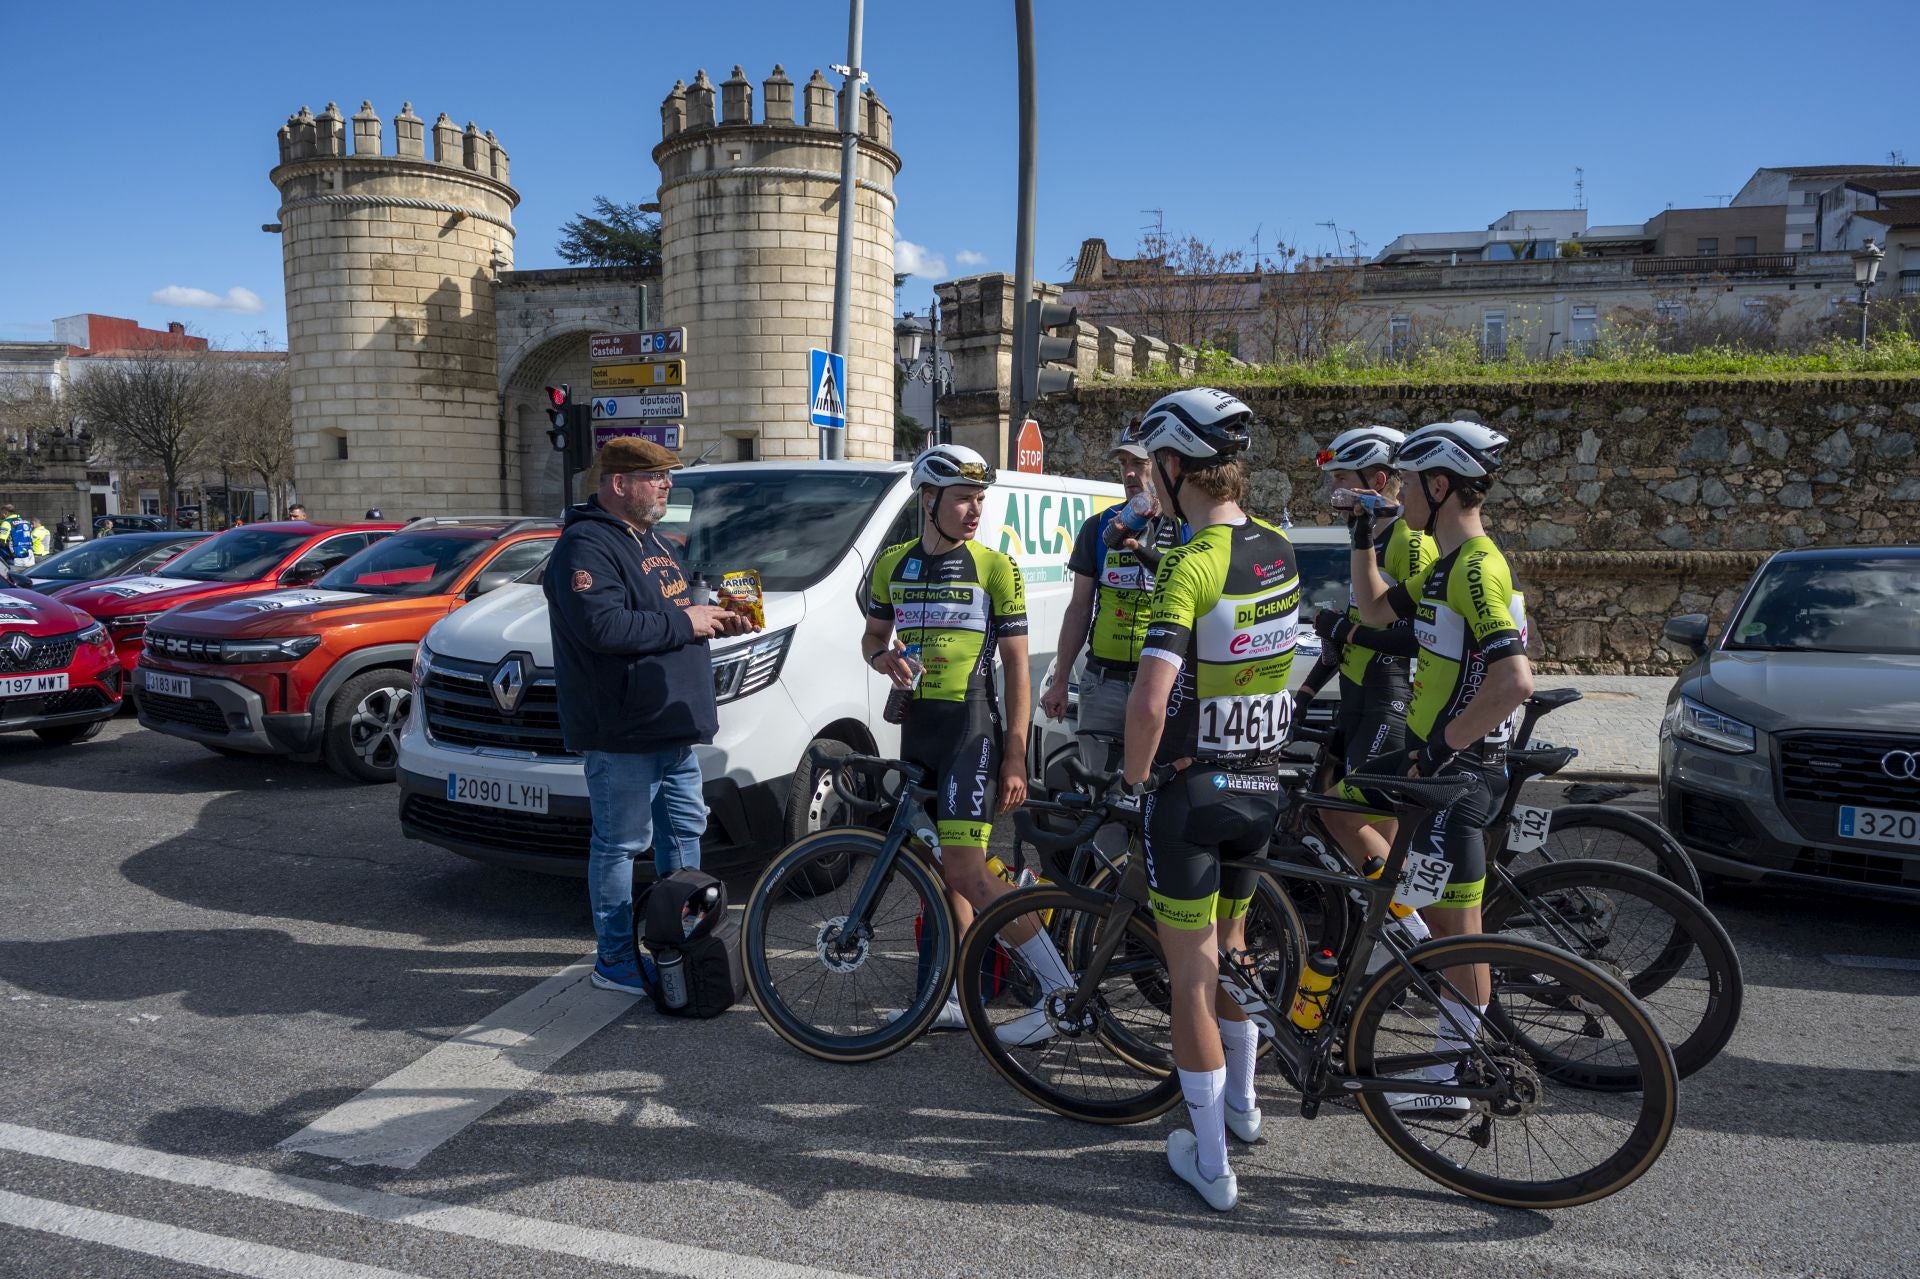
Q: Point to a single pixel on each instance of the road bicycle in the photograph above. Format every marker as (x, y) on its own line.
(1562, 1093)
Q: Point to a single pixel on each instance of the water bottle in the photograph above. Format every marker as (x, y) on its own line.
(696, 909)
(897, 697)
(1129, 521)
(1371, 868)
(1316, 979)
(673, 978)
(699, 590)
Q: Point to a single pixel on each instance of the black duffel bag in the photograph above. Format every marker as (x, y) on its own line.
(707, 959)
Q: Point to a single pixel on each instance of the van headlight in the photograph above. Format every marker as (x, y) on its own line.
(748, 668)
(422, 659)
(1692, 721)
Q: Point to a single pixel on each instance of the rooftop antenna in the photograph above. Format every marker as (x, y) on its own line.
(1579, 188)
(1355, 243)
(1329, 224)
(1721, 198)
(1898, 159)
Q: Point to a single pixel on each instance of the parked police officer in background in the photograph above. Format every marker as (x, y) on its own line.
(635, 685)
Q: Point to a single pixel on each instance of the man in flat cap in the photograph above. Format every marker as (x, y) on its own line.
(635, 685)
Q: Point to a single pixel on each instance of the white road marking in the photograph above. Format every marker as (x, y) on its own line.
(681, 1260)
(400, 1120)
(154, 1239)
(1894, 962)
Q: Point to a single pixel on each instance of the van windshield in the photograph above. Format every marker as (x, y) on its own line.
(791, 526)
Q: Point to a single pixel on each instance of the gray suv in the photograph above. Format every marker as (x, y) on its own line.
(1790, 750)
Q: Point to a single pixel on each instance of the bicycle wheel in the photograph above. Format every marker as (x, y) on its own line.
(1597, 832)
(827, 988)
(1080, 1072)
(1664, 946)
(1543, 1144)
(1276, 941)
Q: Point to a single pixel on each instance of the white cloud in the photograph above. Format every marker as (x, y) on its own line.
(917, 259)
(967, 257)
(242, 301)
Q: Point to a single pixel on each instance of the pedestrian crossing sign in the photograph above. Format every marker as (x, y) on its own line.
(827, 376)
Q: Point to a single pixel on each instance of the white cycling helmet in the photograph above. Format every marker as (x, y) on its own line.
(1204, 424)
(1469, 450)
(1360, 449)
(946, 465)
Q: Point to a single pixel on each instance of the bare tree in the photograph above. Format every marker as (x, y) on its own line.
(253, 424)
(154, 405)
(32, 416)
(1181, 289)
(1305, 306)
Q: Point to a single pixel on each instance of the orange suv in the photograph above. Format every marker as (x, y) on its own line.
(324, 671)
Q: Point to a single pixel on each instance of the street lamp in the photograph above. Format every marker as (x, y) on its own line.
(912, 337)
(1866, 268)
(909, 332)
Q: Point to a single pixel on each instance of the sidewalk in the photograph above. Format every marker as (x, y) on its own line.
(1616, 724)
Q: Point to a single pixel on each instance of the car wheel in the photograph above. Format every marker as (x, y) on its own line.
(813, 806)
(68, 734)
(363, 725)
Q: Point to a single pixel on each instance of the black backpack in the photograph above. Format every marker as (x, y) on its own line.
(709, 956)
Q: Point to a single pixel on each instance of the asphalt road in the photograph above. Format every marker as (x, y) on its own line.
(202, 956)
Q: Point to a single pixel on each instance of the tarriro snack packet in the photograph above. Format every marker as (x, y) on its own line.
(740, 591)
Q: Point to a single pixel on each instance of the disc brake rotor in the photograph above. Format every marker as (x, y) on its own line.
(838, 953)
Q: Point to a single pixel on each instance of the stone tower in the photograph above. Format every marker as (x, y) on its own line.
(749, 217)
(390, 260)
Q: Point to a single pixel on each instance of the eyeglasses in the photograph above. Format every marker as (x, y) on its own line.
(649, 477)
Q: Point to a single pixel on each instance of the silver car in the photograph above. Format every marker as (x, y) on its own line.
(1790, 750)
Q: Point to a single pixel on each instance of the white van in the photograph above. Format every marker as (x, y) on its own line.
(483, 771)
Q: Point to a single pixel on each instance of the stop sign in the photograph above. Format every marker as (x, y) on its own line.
(1029, 451)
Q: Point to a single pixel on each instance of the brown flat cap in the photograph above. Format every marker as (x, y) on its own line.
(625, 453)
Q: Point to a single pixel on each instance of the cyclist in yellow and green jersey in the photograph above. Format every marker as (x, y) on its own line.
(1472, 676)
(1374, 664)
(1208, 716)
(959, 602)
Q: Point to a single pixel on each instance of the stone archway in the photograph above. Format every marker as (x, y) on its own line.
(557, 353)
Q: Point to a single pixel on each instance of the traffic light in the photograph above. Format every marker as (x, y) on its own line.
(571, 432)
(560, 399)
(1050, 341)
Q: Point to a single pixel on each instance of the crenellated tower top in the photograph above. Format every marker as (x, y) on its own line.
(689, 109)
(306, 136)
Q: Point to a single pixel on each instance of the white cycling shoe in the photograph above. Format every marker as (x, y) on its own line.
(1028, 1030)
(1244, 1124)
(1183, 1156)
(948, 1018)
(1429, 1105)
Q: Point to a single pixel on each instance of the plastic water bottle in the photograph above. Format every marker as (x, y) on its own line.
(696, 909)
(897, 697)
(673, 978)
(1371, 868)
(1129, 521)
(1310, 1004)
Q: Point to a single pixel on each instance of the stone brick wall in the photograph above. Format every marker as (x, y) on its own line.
(1622, 503)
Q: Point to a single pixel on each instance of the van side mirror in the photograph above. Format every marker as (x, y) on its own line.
(1689, 630)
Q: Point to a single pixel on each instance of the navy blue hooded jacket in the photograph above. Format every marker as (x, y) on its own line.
(631, 675)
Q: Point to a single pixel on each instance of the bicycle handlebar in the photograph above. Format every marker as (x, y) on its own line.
(1048, 841)
(837, 766)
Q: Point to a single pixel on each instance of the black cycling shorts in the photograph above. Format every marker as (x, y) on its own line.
(1372, 724)
(1191, 822)
(1457, 833)
(958, 743)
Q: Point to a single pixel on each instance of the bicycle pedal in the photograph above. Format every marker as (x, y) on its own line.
(1309, 1107)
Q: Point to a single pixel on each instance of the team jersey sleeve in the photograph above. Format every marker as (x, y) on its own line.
(1176, 598)
(1482, 587)
(1007, 593)
(879, 604)
(1085, 559)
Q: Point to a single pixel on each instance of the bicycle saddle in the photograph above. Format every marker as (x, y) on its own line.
(1543, 761)
(1431, 793)
(1552, 699)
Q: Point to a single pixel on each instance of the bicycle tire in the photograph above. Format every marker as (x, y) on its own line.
(1276, 940)
(1390, 1013)
(1598, 832)
(775, 948)
(1663, 945)
(1078, 1073)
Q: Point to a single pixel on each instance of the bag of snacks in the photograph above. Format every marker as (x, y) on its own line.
(740, 591)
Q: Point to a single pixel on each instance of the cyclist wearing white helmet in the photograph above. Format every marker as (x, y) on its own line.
(1472, 675)
(960, 601)
(1373, 663)
(1208, 715)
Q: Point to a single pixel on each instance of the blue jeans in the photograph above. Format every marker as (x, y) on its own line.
(640, 801)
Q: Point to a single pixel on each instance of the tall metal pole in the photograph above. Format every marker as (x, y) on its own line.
(933, 319)
(1023, 236)
(1863, 317)
(833, 443)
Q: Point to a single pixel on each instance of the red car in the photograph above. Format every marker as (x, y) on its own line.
(252, 557)
(59, 676)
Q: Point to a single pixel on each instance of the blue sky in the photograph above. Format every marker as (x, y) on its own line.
(136, 139)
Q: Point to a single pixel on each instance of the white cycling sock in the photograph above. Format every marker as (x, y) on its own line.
(1043, 957)
(1415, 927)
(1240, 1039)
(1452, 1038)
(1203, 1090)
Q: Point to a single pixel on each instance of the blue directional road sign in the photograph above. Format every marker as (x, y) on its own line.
(827, 401)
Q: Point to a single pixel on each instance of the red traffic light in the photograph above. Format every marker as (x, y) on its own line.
(560, 395)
